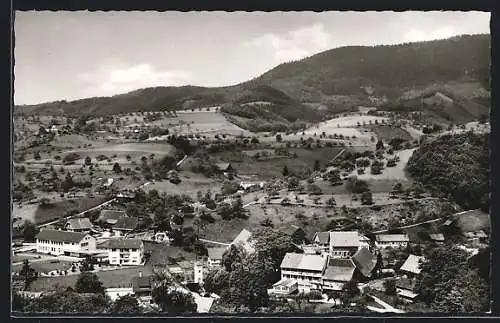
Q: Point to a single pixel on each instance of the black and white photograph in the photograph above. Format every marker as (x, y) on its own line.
(250, 163)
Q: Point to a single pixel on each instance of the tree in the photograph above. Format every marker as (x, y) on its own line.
(89, 283)
(234, 254)
(126, 305)
(356, 186)
(116, 168)
(293, 183)
(36, 155)
(317, 166)
(279, 138)
(29, 231)
(367, 198)
(28, 274)
(379, 145)
(172, 301)
(285, 171)
(87, 265)
(390, 286)
(88, 161)
(216, 281)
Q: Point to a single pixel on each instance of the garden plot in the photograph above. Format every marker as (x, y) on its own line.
(190, 184)
(392, 173)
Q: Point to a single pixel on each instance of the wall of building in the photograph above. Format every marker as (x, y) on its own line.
(117, 292)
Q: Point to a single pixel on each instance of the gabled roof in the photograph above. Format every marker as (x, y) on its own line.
(111, 216)
(79, 224)
(344, 239)
(392, 237)
(412, 264)
(323, 237)
(120, 243)
(300, 261)
(363, 238)
(126, 223)
(365, 261)
(339, 270)
(142, 284)
(216, 253)
(287, 282)
(244, 239)
(61, 236)
(406, 283)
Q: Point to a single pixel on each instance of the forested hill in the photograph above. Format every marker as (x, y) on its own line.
(458, 166)
(333, 80)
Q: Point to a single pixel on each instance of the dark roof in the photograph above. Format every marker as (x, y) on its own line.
(406, 283)
(113, 215)
(339, 269)
(126, 223)
(62, 236)
(324, 237)
(365, 261)
(142, 284)
(119, 243)
(79, 224)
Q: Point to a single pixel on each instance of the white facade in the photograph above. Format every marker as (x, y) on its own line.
(214, 263)
(304, 278)
(126, 256)
(53, 247)
(198, 273)
(392, 244)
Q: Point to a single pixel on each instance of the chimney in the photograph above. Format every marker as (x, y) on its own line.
(140, 273)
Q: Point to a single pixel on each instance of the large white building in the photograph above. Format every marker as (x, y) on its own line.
(391, 240)
(57, 242)
(343, 244)
(306, 269)
(124, 251)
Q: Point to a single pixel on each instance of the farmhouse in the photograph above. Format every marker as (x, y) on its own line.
(343, 244)
(125, 225)
(57, 242)
(406, 288)
(322, 240)
(437, 237)
(124, 251)
(116, 292)
(215, 256)
(78, 225)
(307, 270)
(391, 240)
(337, 273)
(225, 168)
(142, 285)
(364, 261)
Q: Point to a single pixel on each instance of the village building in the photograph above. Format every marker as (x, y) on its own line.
(125, 224)
(391, 240)
(116, 292)
(406, 289)
(215, 257)
(476, 236)
(111, 217)
(364, 241)
(225, 168)
(284, 287)
(58, 242)
(437, 238)
(322, 241)
(142, 286)
(338, 272)
(411, 266)
(364, 261)
(307, 270)
(78, 225)
(343, 244)
(124, 251)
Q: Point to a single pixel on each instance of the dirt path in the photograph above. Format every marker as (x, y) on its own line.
(215, 242)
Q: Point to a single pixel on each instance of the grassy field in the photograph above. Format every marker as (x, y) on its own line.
(247, 166)
(74, 141)
(57, 210)
(387, 133)
(474, 221)
(190, 184)
(161, 253)
(112, 278)
(19, 258)
(45, 266)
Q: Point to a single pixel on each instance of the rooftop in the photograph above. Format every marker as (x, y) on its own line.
(216, 253)
(111, 216)
(119, 243)
(436, 236)
(301, 261)
(322, 237)
(412, 264)
(61, 236)
(344, 239)
(79, 224)
(365, 261)
(392, 237)
(339, 269)
(126, 223)
(243, 239)
(142, 284)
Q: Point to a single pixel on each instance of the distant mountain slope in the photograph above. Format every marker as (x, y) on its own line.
(336, 79)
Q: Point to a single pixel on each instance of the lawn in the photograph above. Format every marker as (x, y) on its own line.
(386, 133)
(190, 184)
(160, 254)
(473, 221)
(112, 278)
(45, 266)
(19, 258)
(57, 210)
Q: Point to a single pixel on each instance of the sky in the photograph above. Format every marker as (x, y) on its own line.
(68, 55)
